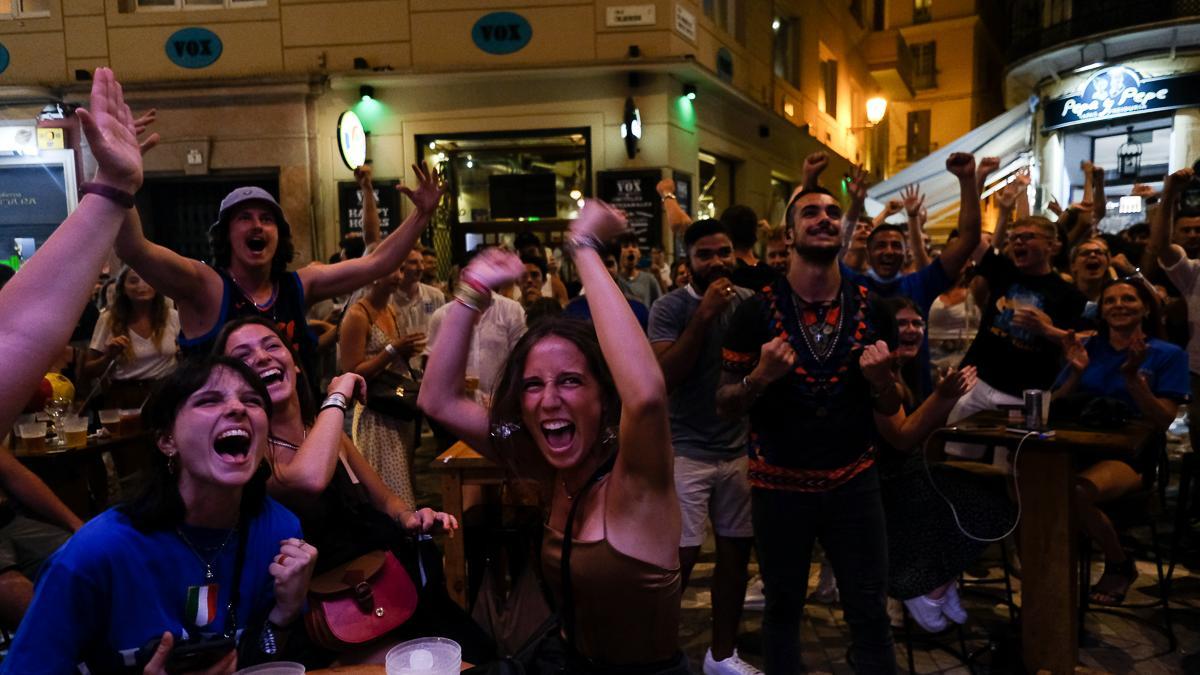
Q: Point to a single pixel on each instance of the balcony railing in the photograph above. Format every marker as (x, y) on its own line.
(1090, 18)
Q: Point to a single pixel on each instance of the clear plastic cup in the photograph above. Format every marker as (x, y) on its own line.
(75, 430)
(131, 421)
(31, 437)
(111, 419)
(275, 668)
(425, 656)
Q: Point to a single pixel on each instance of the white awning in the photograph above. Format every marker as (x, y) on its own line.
(1008, 137)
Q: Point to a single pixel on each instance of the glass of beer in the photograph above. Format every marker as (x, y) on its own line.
(111, 419)
(131, 421)
(31, 437)
(75, 430)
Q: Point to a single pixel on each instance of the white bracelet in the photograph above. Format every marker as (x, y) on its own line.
(391, 350)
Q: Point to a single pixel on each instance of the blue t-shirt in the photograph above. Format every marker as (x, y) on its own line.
(578, 308)
(1165, 370)
(111, 589)
(922, 287)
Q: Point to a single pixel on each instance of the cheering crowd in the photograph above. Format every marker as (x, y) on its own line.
(786, 401)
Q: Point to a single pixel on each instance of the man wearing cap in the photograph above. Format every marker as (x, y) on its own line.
(252, 246)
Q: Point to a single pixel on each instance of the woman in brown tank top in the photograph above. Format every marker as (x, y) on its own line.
(584, 412)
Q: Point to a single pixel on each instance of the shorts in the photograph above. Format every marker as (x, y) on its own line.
(713, 489)
(25, 544)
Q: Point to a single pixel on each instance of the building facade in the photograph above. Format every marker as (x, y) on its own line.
(529, 98)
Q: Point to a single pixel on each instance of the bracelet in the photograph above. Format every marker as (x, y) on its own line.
(470, 280)
(471, 298)
(391, 350)
(335, 400)
(669, 195)
(750, 387)
(576, 241)
(117, 195)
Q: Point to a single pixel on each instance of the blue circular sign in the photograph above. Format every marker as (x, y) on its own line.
(501, 32)
(193, 48)
(3, 58)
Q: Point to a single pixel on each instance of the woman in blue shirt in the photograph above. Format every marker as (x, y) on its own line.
(202, 555)
(1127, 362)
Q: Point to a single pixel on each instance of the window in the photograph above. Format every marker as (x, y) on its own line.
(856, 11)
(918, 134)
(24, 9)
(725, 14)
(786, 47)
(829, 86)
(924, 56)
(877, 20)
(922, 11)
(197, 4)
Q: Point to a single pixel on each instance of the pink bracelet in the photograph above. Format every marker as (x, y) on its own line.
(470, 280)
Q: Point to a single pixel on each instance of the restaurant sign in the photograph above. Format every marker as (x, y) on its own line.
(193, 48)
(1121, 91)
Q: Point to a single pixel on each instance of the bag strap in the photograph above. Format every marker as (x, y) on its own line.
(567, 611)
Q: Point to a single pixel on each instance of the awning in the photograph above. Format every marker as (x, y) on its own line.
(1008, 137)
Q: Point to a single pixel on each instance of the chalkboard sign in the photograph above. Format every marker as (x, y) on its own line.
(633, 192)
(350, 205)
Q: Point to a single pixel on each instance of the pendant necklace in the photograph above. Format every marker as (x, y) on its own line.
(820, 324)
(208, 572)
(260, 307)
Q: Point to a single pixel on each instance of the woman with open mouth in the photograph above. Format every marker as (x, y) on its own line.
(927, 547)
(344, 506)
(202, 564)
(582, 411)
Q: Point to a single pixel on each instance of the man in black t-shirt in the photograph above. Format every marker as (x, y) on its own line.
(1029, 311)
(748, 270)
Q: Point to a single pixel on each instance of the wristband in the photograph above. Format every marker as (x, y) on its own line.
(469, 279)
(669, 195)
(391, 350)
(750, 387)
(579, 241)
(117, 195)
(335, 400)
(472, 298)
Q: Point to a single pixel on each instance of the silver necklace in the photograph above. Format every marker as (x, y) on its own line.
(208, 572)
(249, 296)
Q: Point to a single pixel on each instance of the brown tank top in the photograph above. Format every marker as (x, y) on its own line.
(626, 610)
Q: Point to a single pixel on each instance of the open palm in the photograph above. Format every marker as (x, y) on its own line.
(429, 189)
(111, 134)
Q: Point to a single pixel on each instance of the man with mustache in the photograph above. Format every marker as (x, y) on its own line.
(687, 329)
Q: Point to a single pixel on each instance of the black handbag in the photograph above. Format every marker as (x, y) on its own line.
(391, 393)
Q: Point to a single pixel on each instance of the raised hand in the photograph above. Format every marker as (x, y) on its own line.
(814, 164)
(598, 220)
(913, 199)
(430, 189)
(776, 359)
(858, 182)
(112, 135)
(1075, 352)
(292, 570)
(1178, 180)
(987, 165)
(893, 206)
(1055, 207)
(350, 385)
(495, 268)
(957, 383)
(876, 364)
(716, 298)
(1142, 190)
(428, 520)
(362, 175)
(1007, 196)
(141, 124)
(961, 164)
(665, 186)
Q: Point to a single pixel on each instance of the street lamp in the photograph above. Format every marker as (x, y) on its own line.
(876, 109)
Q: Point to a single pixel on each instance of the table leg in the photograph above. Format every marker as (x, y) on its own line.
(1049, 560)
(456, 554)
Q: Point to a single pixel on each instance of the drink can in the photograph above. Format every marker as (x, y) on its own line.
(1033, 409)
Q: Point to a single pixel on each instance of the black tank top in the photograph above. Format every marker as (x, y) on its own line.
(287, 312)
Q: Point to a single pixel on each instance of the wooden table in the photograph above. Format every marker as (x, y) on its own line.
(1049, 559)
(459, 466)
(78, 475)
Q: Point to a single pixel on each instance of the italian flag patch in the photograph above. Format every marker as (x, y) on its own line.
(202, 604)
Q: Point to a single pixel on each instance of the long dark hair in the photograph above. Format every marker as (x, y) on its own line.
(122, 308)
(1152, 323)
(308, 407)
(889, 330)
(508, 429)
(160, 506)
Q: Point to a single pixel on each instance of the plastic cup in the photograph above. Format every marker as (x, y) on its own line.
(276, 668)
(131, 421)
(75, 429)
(425, 656)
(111, 419)
(31, 437)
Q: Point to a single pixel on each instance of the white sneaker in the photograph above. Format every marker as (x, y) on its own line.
(927, 613)
(952, 607)
(734, 665)
(827, 590)
(754, 600)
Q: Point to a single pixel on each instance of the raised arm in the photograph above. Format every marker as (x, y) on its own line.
(1099, 199)
(858, 196)
(645, 454)
(62, 273)
(194, 286)
(677, 219)
(1163, 221)
(814, 164)
(970, 219)
(913, 201)
(900, 430)
(1006, 199)
(327, 281)
(442, 396)
(307, 473)
(371, 224)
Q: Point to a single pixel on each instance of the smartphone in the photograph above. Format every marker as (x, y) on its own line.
(190, 655)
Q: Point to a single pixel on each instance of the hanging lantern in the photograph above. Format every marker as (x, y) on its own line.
(1129, 156)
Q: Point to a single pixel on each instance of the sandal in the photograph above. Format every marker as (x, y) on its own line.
(1112, 586)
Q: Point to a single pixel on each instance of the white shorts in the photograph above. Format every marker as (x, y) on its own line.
(716, 490)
